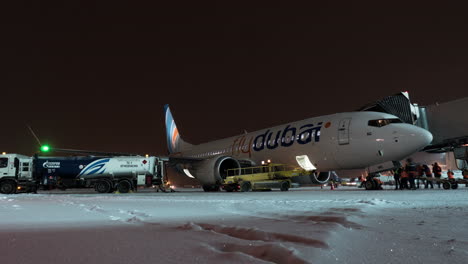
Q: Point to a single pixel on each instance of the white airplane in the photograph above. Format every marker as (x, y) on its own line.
(351, 140)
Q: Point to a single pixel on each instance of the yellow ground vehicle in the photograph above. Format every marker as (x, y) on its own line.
(260, 178)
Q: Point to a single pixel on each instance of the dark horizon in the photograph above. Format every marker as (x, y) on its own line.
(97, 76)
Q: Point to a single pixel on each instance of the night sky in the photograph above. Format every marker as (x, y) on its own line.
(96, 75)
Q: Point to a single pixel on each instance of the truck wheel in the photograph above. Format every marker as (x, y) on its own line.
(124, 186)
(446, 185)
(284, 186)
(454, 185)
(245, 186)
(7, 187)
(369, 184)
(103, 187)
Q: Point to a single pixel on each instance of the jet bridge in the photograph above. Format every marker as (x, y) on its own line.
(446, 121)
(448, 125)
(398, 105)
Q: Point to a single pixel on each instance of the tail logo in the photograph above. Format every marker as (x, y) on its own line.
(175, 137)
(172, 133)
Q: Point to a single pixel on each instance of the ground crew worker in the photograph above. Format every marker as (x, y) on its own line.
(437, 170)
(420, 172)
(334, 179)
(411, 169)
(450, 175)
(332, 184)
(404, 179)
(428, 173)
(396, 177)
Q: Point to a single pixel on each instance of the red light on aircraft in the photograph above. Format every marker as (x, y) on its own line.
(327, 125)
(144, 161)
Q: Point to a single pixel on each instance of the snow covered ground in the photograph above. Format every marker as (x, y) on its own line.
(305, 225)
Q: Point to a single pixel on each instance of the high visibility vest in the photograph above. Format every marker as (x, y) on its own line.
(404, 174)
(411, 169)
(428, 172)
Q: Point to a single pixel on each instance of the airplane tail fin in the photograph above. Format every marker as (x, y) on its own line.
(174, 141)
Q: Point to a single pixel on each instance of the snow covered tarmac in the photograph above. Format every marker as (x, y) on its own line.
(306, 225)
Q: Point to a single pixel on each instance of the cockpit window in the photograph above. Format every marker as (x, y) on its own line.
(383, 122)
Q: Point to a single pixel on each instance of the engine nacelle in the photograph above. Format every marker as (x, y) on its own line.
(313, 178)
(320, 178)
(213, 171)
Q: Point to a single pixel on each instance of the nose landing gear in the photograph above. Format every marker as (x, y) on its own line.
(372, 183)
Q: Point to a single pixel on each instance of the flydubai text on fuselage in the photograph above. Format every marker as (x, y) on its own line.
(340, 141)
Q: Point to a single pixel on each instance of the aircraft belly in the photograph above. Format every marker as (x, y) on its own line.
(322, 159)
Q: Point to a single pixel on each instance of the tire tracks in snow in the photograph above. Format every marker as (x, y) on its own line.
(274, 246)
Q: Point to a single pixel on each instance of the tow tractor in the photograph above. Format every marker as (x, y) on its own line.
(261, 178)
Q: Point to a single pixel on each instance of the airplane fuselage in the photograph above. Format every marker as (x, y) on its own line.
(332, 142)
(341, 141)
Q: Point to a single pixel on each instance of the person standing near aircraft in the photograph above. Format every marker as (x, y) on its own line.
(396, 177)
(404, 179)
(437, 170)
(411, 169)
(428, 173)
(450, 175)
(420, 171)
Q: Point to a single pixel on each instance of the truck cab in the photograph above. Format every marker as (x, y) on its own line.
(16, 174)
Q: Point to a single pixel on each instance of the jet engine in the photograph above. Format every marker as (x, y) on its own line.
(211, 172)
(321, 177)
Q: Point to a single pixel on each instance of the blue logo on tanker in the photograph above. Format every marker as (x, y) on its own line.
(95, 167)
(284, 138)
(51, 165)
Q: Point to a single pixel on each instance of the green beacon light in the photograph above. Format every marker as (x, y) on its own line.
(45, 148)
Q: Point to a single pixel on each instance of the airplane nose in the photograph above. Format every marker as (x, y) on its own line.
(419, 137)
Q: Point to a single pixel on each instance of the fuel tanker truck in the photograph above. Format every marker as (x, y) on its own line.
(20, 173)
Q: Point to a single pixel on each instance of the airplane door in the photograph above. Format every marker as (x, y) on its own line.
(343, 131)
